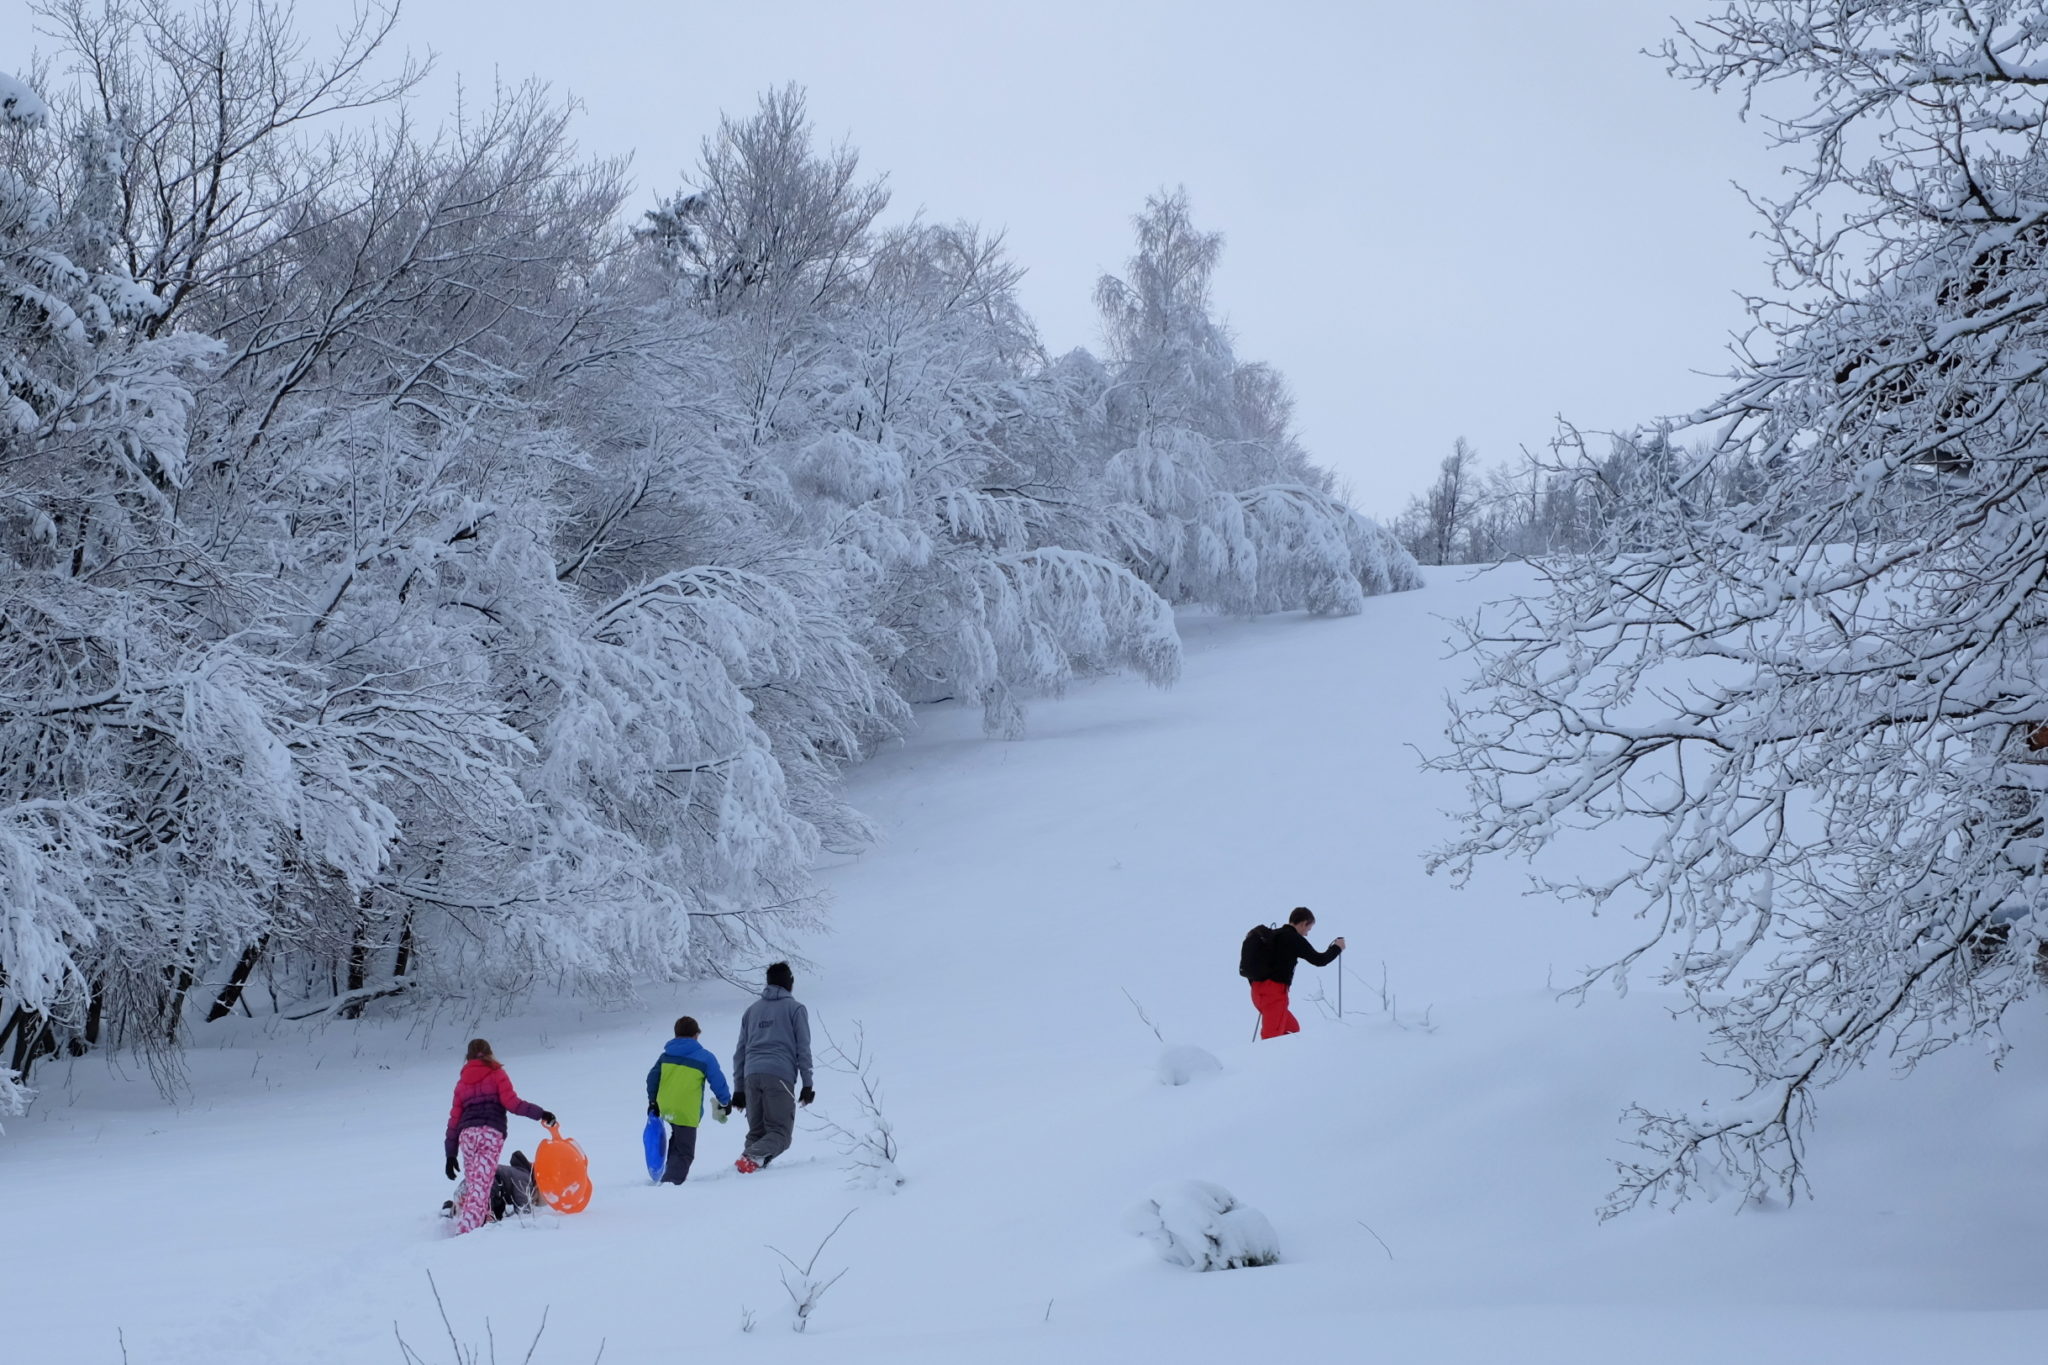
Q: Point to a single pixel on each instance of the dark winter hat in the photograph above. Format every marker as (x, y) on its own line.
(686, 1027)
(779, 974)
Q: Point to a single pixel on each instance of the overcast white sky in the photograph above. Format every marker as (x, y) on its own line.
(1441, 219)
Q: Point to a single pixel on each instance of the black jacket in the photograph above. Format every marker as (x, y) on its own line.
(512, 1187)
(1288, 946)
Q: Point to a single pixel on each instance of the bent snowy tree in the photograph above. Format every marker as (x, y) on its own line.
(1810, 712)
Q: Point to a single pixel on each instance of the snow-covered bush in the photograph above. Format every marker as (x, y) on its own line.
(1203, 1227)
(1181, 1063)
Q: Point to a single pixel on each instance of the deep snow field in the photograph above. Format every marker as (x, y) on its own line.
(1433, 1189)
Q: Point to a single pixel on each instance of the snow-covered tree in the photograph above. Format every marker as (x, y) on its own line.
(1437, 525)
(1818, 709)
(162, 771)
(770, 215)
(1212, 499)
(878, 383)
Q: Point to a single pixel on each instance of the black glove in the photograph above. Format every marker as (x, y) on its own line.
(652, 1109)
(453, 1170)
(806, 1095)
(547, 1118)
(739, 1099)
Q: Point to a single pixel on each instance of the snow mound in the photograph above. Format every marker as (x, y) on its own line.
(1204, 1227)
(1181, 1063)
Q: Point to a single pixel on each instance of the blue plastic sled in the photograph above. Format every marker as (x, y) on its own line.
(654, 1137)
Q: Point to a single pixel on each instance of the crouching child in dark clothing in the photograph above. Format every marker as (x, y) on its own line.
(512, 1189)
(675, 1090)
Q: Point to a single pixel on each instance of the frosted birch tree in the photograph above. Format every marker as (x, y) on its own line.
(1818, 711)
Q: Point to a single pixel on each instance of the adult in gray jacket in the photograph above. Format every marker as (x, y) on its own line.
(774, 1053)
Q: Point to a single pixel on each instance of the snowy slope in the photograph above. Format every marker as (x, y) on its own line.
(1432, 1188)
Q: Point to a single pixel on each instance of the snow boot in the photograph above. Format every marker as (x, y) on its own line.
(745, 1165)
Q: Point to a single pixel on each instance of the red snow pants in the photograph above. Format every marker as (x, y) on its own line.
(1269, 998)
(480, 1147)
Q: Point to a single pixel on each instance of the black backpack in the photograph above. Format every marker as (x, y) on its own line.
(1255, 958)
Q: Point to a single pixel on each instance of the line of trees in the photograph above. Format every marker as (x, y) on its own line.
(418, 577)
(1569, 500)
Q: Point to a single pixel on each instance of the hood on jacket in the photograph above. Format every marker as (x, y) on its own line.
(687, 1049)
(473, 1071)
(775, 993)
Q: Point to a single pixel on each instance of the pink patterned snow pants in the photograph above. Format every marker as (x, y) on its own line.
(479, 1147)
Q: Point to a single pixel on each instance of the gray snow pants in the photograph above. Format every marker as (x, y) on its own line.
(771, 1116)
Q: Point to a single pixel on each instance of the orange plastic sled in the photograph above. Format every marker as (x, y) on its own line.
(561, 1173)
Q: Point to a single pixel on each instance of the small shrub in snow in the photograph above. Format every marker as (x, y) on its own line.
(461, 1352)
(802, 1282)
(869, 1143)
(1181, 1063)
(1204, 1227)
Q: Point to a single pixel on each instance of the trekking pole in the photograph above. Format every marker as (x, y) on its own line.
(1340, 985)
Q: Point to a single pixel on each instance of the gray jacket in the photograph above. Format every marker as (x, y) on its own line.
(775, 1039)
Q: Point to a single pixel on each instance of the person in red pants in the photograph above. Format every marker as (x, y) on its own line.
(1272, 974)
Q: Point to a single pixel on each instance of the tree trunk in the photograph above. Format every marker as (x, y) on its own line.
(231, 993)
(174, 1009)
(95, 1012)
(359, 957)
(403, 962)
(34, 1038)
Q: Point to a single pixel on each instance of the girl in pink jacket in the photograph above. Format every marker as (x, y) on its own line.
(476, 1130)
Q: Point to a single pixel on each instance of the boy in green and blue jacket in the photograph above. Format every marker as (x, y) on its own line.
(675, 1090)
